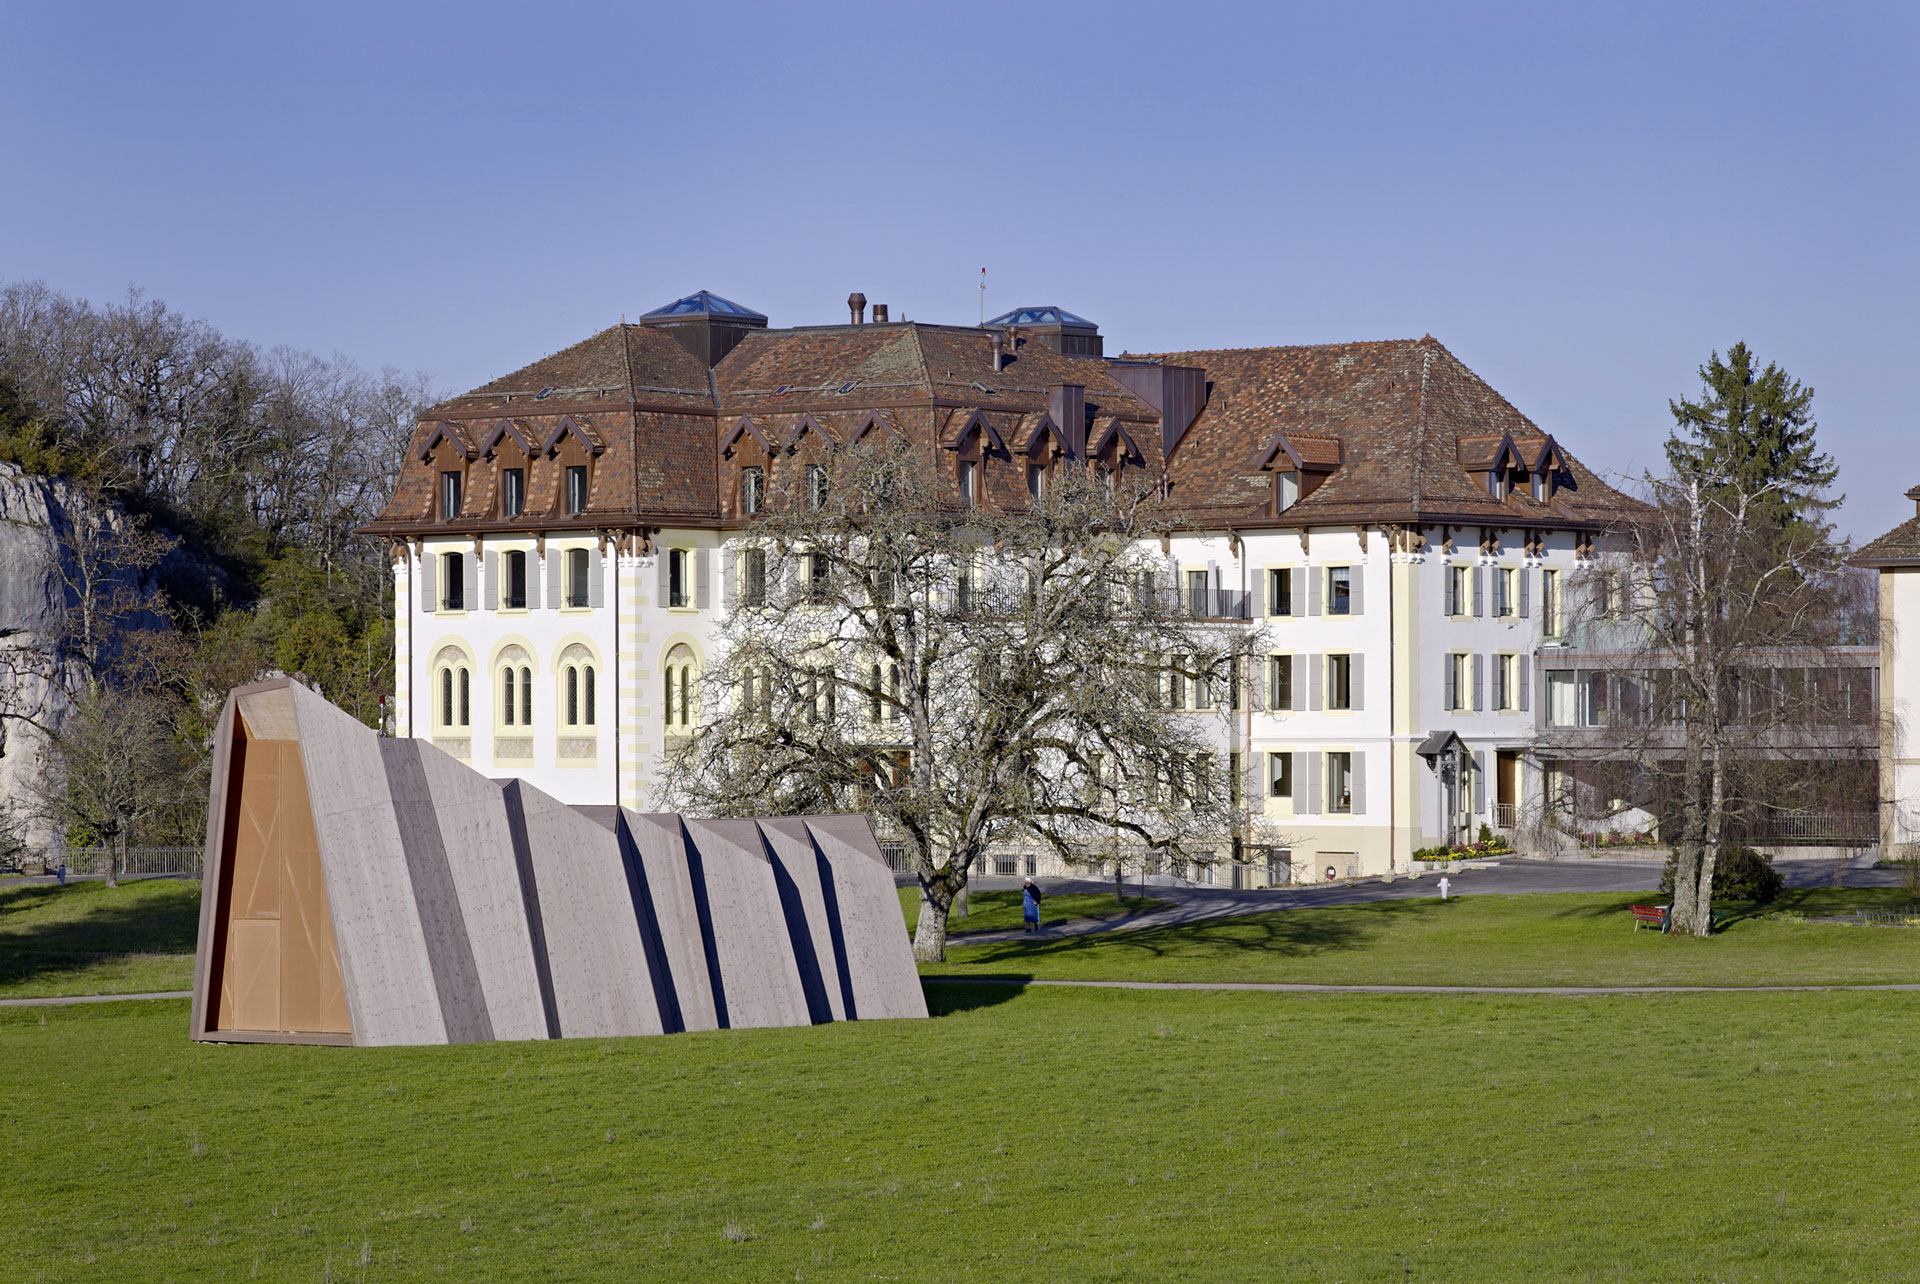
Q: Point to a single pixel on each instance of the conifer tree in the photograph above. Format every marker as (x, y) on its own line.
(1752, 431)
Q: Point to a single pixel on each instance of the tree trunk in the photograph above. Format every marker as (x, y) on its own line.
(1119, 892)
(113, 862)
(930, 933)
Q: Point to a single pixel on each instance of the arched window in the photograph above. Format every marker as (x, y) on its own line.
(579, 702)
(453, 688)
(676, 686)
(516, 688)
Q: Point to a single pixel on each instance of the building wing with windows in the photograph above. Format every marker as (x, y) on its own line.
(566, 537)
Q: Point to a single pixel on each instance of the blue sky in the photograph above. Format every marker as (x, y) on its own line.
(1580, 201)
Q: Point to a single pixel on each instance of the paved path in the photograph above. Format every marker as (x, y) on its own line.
(1278, 987)
(1196, 902)
(60, 1000)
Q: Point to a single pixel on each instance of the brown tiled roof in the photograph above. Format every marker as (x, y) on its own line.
(1400, 410)
(628, 362)
(1898, 547)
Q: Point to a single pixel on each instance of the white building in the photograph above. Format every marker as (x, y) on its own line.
(562, 544)
(1896, 557)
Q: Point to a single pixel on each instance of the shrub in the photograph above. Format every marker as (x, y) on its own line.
(1739, 874)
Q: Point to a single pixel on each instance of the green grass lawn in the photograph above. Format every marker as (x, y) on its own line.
(1000, 911)
(87, 938)
(1548, 939)
(1039, 1135)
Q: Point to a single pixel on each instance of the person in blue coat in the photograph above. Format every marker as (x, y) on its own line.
(1030, 905)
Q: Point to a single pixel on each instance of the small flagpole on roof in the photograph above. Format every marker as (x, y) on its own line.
(983, 296)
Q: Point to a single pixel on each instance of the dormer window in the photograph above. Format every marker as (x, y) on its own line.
(449, 496)
(1036, 480)
(816, 487)
(513, 492)
(1542, 487)
(1286, 491)
(969, 483)
(576, 489)
(753, 489)
(1497, 484)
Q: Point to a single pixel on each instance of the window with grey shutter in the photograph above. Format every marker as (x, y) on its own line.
(1312, 575)
(492, 581)
(554, 576)
(1479, 590)
(1355, 678)
(729, 562)
(1296, 592)
(427, 562)
(1313, 682)
(1356, 595)
(1525, 665)
(596, 586)
(1257, 607)
(702, 574)
(1479, 681)
(1453, 589)
(1526, 595)
(469, 581)
(1359, 780)
(1452, 666)
(1173, 585)
(665, 558)
(1479, 781)
(1316, 798)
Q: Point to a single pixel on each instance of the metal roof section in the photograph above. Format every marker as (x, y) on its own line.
(1041, 316)
(706, 303)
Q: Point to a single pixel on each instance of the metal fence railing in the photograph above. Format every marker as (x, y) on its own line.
(138, 860)
(1809, 828)
(1908, 917)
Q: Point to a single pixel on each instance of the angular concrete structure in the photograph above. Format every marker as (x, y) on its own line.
(364, 890)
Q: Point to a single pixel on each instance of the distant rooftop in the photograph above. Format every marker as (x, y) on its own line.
(706, 303)
(1041, 316)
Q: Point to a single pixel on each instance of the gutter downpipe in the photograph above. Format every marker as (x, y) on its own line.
(1393, 747)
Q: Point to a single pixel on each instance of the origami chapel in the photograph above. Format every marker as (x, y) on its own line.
(367, 890)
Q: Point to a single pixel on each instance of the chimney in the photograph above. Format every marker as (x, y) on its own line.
(857, 304)
(1067, 402)
(999, 351)
(879, 314)
(1914, 495)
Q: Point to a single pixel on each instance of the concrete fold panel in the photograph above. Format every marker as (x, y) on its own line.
(366, 890)
(595, 954)
(756, 982)
(880, 966)
(663, 885)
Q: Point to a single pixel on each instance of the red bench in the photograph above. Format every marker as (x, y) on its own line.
(1649, 916)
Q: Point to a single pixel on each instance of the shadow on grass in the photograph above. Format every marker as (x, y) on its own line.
(1291, 933)
(947, 995)
(83, 923)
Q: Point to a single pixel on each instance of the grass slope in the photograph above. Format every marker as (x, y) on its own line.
(1545, 939)
(1047, 1135)
(999, 911)
(88, 938)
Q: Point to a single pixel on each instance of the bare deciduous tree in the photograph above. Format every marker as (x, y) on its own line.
(970, 678)
(115, 766)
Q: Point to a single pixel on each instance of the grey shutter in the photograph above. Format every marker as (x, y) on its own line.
(554, 574)
(1453, 589)
(1257, 681)
(1214, 604)
(1175, 602)
(1313, 681)
(729, 569)
(1253, 788)
(1258, 606)
(1359, 782)
(427, 561)
(702, 575)
(1356, 577)
(1498, 664)
(469, 582)
(1525, 665)
(1479, 681)
(1452, 680)
(1526, 595)
(596, 574)
(1300, 794)
(1314, 791)
(1479, 781)
(1356, 668)
(1312, 574)
(491, 581)
(1479, 590)
(1297, 583)
(665, 558)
